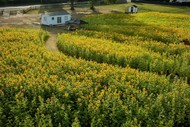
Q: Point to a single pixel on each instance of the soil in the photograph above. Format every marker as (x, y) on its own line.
(33, 21)
(51, 43)
(19, 20)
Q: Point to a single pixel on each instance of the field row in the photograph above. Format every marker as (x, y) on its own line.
(169, 49)
(137, 57)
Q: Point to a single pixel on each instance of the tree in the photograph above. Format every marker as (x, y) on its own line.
(72, 4)
(110, 1)
(92, 2)
(4, 1)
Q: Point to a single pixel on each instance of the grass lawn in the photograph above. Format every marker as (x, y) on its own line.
(143, 7)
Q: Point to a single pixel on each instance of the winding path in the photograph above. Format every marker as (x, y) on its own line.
(51, 43)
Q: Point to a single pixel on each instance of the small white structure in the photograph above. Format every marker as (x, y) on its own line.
(132, 9)
(55, 18)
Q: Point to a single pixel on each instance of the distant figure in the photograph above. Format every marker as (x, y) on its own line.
(167, 73)
(176, 77)
(185, 42)
(71, 28)
(173, 76)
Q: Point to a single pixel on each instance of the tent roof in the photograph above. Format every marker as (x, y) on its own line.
(76, 21)
(135, 6)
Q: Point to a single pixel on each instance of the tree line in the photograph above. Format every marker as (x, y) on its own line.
(16, 2)
(27, 2)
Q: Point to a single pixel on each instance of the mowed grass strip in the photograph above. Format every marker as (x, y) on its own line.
(163, 27)
(145, 7)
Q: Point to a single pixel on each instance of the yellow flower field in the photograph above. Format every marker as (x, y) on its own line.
(156, 46)
(135, 56)
(40, 88)
(100, 78)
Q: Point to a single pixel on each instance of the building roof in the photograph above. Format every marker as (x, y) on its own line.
(56, 13)
(135, 6)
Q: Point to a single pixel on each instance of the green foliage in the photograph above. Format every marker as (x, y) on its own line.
(110, 1)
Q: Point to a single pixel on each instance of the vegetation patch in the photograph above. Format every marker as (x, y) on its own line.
(41, 88)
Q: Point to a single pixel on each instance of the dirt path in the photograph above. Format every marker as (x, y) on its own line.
(51, 43)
